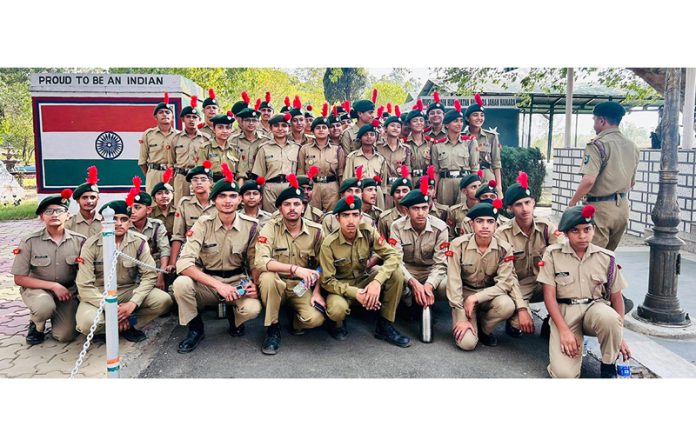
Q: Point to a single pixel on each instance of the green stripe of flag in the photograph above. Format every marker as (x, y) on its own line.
(73, 172)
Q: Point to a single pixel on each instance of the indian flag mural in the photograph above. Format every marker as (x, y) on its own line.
(72, 134)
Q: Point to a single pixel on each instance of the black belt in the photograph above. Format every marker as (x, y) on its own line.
(224, 274)
(157, 166)
(574, 301)
(217, 176)
(605, 198)
(329, 179)
(181, 171)
(278, 179)
(417, 172)
(485, 165)
(452, 173)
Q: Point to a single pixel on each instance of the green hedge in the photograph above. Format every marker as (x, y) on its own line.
(515, 159)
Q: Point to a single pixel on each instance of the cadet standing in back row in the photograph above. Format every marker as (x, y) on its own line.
(185, 147)
(87, 221)
(156, 143)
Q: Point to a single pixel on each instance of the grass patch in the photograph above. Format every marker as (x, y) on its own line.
(25, 211)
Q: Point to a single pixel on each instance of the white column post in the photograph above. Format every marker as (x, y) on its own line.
(113, 362)
(569, 108)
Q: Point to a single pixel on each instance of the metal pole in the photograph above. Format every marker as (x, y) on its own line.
(688, 111)
(661, 305)
(577, 116)
(569, 107)
(113, 362)
(531, 115)
(549, 142)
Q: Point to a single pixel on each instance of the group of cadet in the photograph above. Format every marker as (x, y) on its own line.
(322, 214)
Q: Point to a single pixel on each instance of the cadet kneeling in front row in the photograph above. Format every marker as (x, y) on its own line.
(582, 292)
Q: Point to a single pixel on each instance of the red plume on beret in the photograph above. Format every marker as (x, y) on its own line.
(380, 110)
(479, 101)
(358, 172)
(245, 97)
(587, 211)
(374, 95)
(424, 185)
(346, 106)
(419, 105)
(431, 172)
(229, 113)
(287, 116)
(137, 182)
(130, 199)
(194, 101)
(207, 164)
(65, 194)
(457, 106)
(229, 176)
(166, 98)
(268, 97)
(260, 181)
(334, 112)
(350, 199)
(92, 175)
(258, 104)
(480, 173)
(201, 125)
(397, 111)
(287, 101)
(523, 180)
(325, 110)
(492, 184)
(313, 171)
(167, 175)
(404, 171)
(292, 179)
(436, 98)
(378, 179)
(296, 103)
(375, 123)
(211, 93)
(309, 107)
(498, 203)
(389, 107)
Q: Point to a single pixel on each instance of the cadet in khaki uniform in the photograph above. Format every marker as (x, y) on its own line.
(399, 189)
(87, 221)
(343, 258)
(369, 198)
(266, 109)
(608, 174)
(139, 301)
(480, 280)
(310, 212)
(336, 130)
(582, 292)
(364, 111)
(210, 109)
(329, 160)
(218, 254)
(422, 240)
(275, 159)
(350, 186)
(486, 142)
(251, 193)
(246, 143)
(287, 252)
(486, 193)
(186, 146)
(421, 148)
(156, 144)
(396, 153)
(529, 236)
(457, 213)
(367, 156)
(298, 124)
(453, 158)
(435, 209)
(218, 149)
(436, 114)
(164, 210)
(44, 267)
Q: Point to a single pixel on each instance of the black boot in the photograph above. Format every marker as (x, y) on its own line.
(195, 335)
(336, 332)
(607, 370)
(34, 336)
(134, 335)
(490, 340)
(234, 331)
(271, 344)
(545, 332)
(386, 331)
(512, 331)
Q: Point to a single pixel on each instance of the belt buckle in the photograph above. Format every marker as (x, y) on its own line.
(392, 179)
(321, 179)
(417, 172)
(454, 173)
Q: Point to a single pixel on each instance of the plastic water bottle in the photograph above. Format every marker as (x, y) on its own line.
(623, 369)
(301, 288)
(426, 326)
(584, 348)
(222, 303)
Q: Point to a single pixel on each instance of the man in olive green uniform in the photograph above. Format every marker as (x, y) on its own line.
(210, 109)
(350, 186)
(139, 301)
(435, 209)
(396, 153)
(246, 143)
(87, 221)
(156, 144)
(368, 157)
(421, 148)
(218, 149)
(369, 197)
(251, 193)
(399, 189)
(266, 109)
(275, 159)
(287, 251)
(364, 111)
(486, 193)
(582, 292)
(436, 114)
(185, 148)
(219, 253)
(335, 129)
(298, 124)
(608, 174)
(529, 236)
(44, 267)
(480, 280)
(486, 142)
(164, 209)
(343, 258)
(457, 213)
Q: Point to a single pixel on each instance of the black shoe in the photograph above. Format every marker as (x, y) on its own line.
(490, 340)
(338, 333)
(34, 336)
(235, 331)
(134, 335)
(512, 331)
(296, 331)
(386, 331)
(628, 304)
(271, 344)
(191, 341)
(99, 338)
(545, 332)
(607, 370)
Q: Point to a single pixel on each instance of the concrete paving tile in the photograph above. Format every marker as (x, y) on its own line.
(6, 363)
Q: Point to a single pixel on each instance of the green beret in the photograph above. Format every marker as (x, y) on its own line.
(284, 109)
(188, 110)
(252, 185)
(61, 200)
(348, 183)
(248, 113)
(435, 106)
(413, 198)
(363, 105)
(414, 114)
(162, 186)
(345, 117)
(303, 180)
(119, 207)
(610, 109)
(199, 170)
(398, 183)
(295, 112)
(84, 187)
(288, 193)
(308, 115)
(471, 109)
(239, 106)
(577, 215)
(331, 120)
(223, 186)
(160, 106)
(372, 182)
(222, 118)
(210, 100)
(486, 188)
(484, 210)
(467, 180)
(265, 104)
(516, 191)
(275, 119)
(320, 120)
(143, 198)
(364, 129)
(349, 203)
(451, 116)
(392, 119)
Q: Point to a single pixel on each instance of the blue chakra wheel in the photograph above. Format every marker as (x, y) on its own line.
(109, 145)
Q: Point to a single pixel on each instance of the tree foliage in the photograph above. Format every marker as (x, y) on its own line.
(344, 84)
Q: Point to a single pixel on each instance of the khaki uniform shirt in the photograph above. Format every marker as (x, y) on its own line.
(208, 131)
(263, 217)
(439, 211)
(90, 277)
(386, 219)
(375, 165)
(306, 139)
(210, 246)
(331, 160)
(455, 218)
(487, 275)
(246, 150)
(276, 243)
(77, 223)
(217, 155)
(330, 223)
(155, 146)
(348, 141)
(460, 156)
(439, 135)
(615, 171)
(423, 254)
(188, 212)
(343, 262)
(395, 158)
(41, 258)
(265, 132)
(156, 235)
(310, 213)
(374, 213)
(576, 278)
(185, 150)
(421, 156)
(168, 219)
(487, 147)
(273, 159)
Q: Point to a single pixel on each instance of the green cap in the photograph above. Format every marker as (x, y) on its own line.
(577, 215)
(610, 109)
(119, 207)
(223, 185)
(413, 198)
(223, 118)
(487, 188)
(349, 203)
(62, 200)
(204, 169)
(485, 209)
(518, 190)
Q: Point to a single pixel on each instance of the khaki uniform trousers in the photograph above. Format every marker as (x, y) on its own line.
(153, 177)
(325, 196)
(488, 315)
(156, 303)
(338, 307)
(531, 292)
(43, 306)
(192, 295)
(610, 223)
(593, 319)
(274, 290)
(421, 275)
(448, 192)
(488, 175)
(182, 188)
(270, 193)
